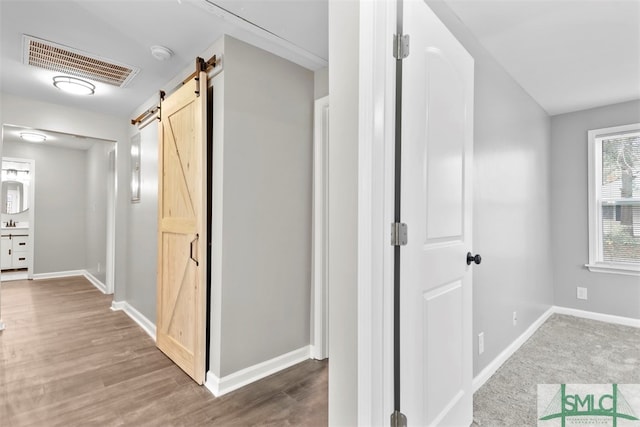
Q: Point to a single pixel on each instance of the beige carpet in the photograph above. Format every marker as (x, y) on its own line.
(567, 350)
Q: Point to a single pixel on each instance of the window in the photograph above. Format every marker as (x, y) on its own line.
(614, 200)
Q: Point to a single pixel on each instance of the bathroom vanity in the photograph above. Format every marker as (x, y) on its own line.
(16, 213)
(14, 248)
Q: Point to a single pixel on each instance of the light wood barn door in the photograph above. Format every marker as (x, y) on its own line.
(181, 293)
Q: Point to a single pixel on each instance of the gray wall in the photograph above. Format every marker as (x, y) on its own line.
(142, 242)
(266, 240)
(321, 83)
(60, 204)
(511, 228)
(97, 170)
(608, 293)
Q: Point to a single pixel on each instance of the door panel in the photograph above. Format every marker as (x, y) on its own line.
(437, 144)
(181, 304)
(444, 129)
(443, 346)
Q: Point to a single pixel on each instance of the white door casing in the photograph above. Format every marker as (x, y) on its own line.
(320, 267)
(437, 145)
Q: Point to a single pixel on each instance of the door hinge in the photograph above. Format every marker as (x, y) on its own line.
(400, 46)
(398, 234)
(398, 419)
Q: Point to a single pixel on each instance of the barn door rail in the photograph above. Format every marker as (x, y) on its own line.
(150, 114)
(153, 112)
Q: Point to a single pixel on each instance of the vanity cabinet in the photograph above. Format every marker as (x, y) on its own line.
(15, 250)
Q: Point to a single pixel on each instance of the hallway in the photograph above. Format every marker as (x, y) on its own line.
(67, 359)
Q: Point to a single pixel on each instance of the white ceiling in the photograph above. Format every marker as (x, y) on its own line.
(123, 31)
(567, 54)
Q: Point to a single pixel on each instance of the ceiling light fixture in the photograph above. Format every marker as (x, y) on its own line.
(32, 137)
(74, 85)
(161, 53)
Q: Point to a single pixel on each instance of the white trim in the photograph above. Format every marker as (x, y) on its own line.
(228, 383)
(72, 273)
(95, 282)
(625, 270)
(496, 363)
(375, 212)
(58, 274)
(10, 277)
(31, 210)
(594, 154)
(609, 318)
(147, 325)
(2, 326)
(320, 231)
(112, 191)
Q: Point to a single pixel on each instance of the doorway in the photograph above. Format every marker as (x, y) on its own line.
(17, 208)
(72, 230)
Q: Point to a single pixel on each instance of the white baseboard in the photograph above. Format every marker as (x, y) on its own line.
(495, 364)
(316, 353)
(220, 386)
(95, 282)
(147, 325)
(609, 318)
(70, 273)
(58, 274)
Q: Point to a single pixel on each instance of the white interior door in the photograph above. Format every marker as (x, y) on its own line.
(437, 144)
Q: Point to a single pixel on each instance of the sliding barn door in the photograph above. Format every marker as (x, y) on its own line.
(181, 305)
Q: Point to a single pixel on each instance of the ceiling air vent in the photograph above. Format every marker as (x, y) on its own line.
(66, 60)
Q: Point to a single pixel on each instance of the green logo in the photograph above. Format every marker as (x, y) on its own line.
(587, 404)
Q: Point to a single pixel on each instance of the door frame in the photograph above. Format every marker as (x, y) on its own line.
(376, 181)
(112, 208)
(112, 191)
(376, 143)
(32, 207)
(320, 231)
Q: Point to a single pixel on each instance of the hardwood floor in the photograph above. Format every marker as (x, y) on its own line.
(66, 359)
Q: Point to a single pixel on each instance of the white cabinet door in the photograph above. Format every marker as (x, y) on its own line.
(6, 255)
(20, 251)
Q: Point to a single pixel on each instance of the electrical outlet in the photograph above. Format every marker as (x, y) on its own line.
(581, 293)
(515, 318)
(481, 343)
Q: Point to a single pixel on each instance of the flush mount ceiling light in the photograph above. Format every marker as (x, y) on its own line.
(32, 137)
(74, 85)
(161, 53)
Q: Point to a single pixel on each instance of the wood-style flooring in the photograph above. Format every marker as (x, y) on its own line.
(66, 359)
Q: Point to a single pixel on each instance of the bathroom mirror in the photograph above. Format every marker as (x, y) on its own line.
(15, 187)
(13, 197)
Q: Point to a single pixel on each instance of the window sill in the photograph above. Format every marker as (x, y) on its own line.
(624, 269)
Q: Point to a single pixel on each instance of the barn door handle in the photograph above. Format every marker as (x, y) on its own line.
(471, 258)
(191, 249)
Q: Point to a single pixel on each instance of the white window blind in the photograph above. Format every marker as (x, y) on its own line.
(619, 198)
